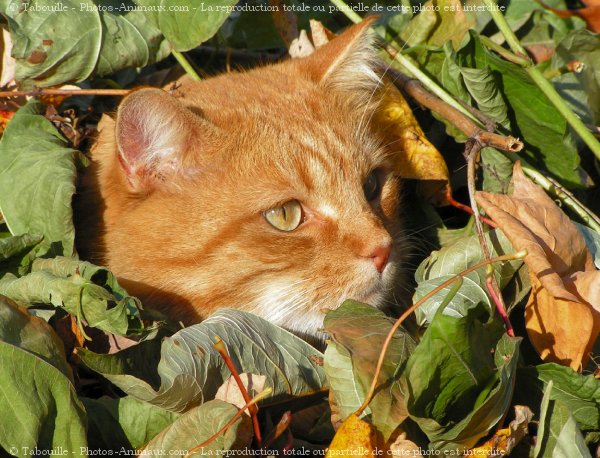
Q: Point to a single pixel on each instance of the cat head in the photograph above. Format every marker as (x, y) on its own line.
(265, 190)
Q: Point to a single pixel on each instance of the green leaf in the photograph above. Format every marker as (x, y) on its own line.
(497, 171)
(468, 297)
(189, 23)
(38, 401)
(478, 84)
(558, 434)
(17, 253)
(37, 180)
(582, 89)
(350, 363)
(580, 393)
(89, 292)
(124, 422)
(454, 259)
(88, 38)
(201, 423)
(533, 117)
(107, 38)
(190, 370)
(20, 328)
(458, 381)
(438, 23)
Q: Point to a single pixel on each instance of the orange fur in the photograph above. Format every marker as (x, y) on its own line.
(173, 203)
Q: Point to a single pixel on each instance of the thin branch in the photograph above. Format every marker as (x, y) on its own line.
(414, 89)
(263, 394)
(472, 155)
(220, 347)
(456, 204)
(42, 91)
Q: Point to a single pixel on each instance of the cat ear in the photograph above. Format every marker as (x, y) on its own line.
(347, 62)
(153, 130)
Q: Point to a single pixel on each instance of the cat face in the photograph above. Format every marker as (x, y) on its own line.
(266, 191)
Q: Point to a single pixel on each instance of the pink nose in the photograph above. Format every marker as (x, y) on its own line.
(380, 256)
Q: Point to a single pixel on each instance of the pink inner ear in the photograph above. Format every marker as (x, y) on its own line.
(132, 144)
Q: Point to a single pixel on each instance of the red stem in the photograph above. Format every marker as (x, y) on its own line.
(253, 409)
(466, 208)
(501, 310)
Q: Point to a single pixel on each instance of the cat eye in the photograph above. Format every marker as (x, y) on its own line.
(286, 217)
(371, 186)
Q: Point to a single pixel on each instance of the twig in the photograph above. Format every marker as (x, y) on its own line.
(492, 286)
(414, 89)
(542, 83)
(41, 91)
(472, 155)
(186, 65)
(220, 347)
(416, 305)
(263, 394)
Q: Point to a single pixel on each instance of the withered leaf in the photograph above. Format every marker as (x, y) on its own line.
(563, 312)
(504, 440)
(355, 437)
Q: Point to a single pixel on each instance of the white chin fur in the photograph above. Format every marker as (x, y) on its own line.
(288, 305)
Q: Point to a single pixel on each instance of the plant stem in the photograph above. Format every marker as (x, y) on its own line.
(41, 91)
(416, 305)
(509, 56)
(538, 78)
(220, 347)
(263, 394)
(186, 65)
(344, 8)
(472, 155)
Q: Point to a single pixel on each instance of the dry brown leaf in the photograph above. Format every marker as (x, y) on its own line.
(230, 391)
(563, 313)
(590, 13)
(504, 440)
(354, 438)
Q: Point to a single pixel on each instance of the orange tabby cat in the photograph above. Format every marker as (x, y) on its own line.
(265, 190)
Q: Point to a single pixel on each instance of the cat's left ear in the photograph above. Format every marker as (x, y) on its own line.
(348, 62)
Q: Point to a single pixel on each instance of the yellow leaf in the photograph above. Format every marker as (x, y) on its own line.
(414, 156)
(354, 437)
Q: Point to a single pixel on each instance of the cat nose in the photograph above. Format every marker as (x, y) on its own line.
(380, 255)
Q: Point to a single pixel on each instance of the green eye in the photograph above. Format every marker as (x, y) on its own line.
(371, 186)
(286, 217)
